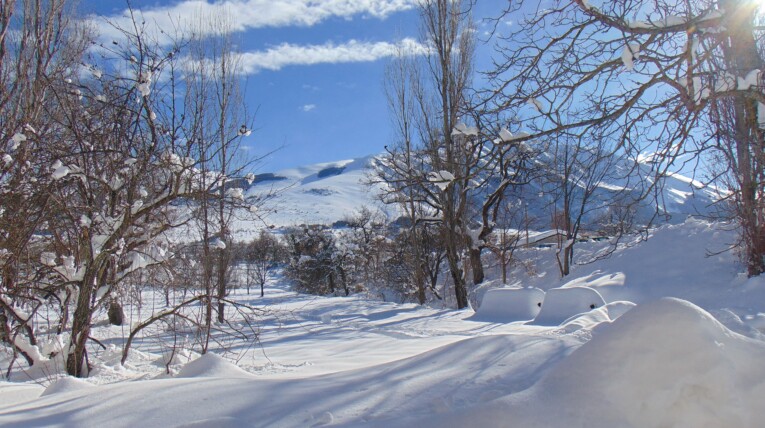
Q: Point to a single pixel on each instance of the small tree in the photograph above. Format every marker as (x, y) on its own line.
(365, 241)
(311, 262)
(575, 174)
(261, 257)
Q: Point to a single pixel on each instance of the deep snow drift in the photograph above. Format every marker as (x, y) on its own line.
(664, 363)
(336, 361)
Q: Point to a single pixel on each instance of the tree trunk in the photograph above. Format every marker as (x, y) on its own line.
(419, 281)
(221, 282)
(81, 323)
(344, 279)
(6, 336)
(116, 314)
(504, 262)
(476, 265)
(460, 291)
(743, 57)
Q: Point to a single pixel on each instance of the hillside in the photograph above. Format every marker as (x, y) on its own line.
(329, 192)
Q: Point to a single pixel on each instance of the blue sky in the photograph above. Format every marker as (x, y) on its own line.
(314, 70)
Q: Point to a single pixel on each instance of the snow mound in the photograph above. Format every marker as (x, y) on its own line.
(66, 384)
(510, 304)
(597, 317)
(212, 365)
(664, 363)
(561, 304)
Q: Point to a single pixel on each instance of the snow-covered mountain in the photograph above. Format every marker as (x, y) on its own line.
(329, 192)
(322, 193)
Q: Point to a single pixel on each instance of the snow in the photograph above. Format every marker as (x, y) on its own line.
(665, 363)
(630, 53)
(299, 196)
(17, 139)
(65, 385)
(211, 365)
(673, 20)
(510, 304)
(462, 129)
(217, 244)
(48, 259)
(60, 172)
(669, 21)
(561, 304)
(752, 79)
(520, 135)
(598, 317)
(235, 193)
(637, 359)
(143, 83)
(441, 179)
(535, 103)
(505, 135)
(13, 393)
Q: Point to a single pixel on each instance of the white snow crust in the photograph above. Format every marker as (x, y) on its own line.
(561, 304)
(510, 304)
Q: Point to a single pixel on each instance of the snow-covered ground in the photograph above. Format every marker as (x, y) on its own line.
(357, 361)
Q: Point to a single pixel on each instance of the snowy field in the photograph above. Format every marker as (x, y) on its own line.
(672, 340)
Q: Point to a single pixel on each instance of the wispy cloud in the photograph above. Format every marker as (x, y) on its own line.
(242, 15)
(287, 54)
(308, 107)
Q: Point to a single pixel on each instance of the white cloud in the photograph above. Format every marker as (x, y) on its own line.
(287, 54)
(308, 107)
(242, 15)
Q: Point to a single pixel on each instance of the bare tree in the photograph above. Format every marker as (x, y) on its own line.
(261, 257)
(40, 45)
(513, 220)
(432, 166)
(215, 94)
(99, 140)
(583, 178)
(675, 78)
(401, 168)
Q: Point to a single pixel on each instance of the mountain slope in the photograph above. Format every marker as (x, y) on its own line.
(329, 192)
(320, 194)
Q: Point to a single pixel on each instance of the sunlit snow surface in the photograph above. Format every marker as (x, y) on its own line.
(357, 361)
